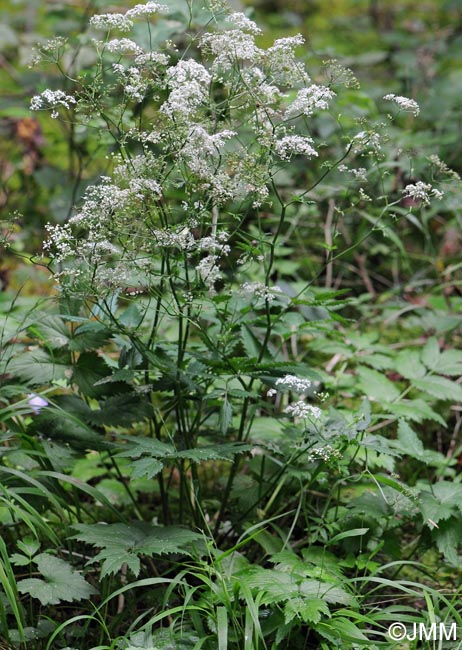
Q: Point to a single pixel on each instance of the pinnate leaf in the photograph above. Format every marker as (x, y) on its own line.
(123, 543)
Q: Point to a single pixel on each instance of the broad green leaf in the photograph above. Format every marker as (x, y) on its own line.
(439, 387)
(431, 353)
(90, 336)
(415, 410)
(251, 343)
(226, 416)
(19, 560)
(135, 447)
(61, 582)
(376, 385)
(36, 367)
(125, 543)
(52, 330)
(448, 538)
(409, 365)
(355, 532)
(147, 467)
(278, 586)
(309, 611)
(121, 410)
(449, 363)
(409, 442)
(342, 628)
(225, 451)
(443, 501)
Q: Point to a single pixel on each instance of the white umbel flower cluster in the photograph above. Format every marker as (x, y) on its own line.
(311, 99)
(299, 385)
(423, 192)
(51, 99)
(292, 145)
(303, 411)
(404, 103)
(260, 291)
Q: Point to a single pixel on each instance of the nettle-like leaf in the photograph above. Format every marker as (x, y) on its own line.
(449, 363)
(309, 611)
(89, 336)
(409, 365)
(374, 384)
(146, 454)
(61, 582)
(415, 410)
(448, 538)
(146, 467)
(123, 543)
(442, 502)
(439, 387)
(431, 353)
(37, 367)
(52, 330)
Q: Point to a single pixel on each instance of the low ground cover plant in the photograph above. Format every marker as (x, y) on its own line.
(206, 444)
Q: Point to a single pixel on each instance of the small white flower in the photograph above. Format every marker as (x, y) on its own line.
(294, 145)
(123, 46)
(299, 385)
(406, 104)
(146, 10)
(303, 410)
(261, 291)
(111, 21)
(422, 192)
(51, 99)
(240, 20)
(309, 100)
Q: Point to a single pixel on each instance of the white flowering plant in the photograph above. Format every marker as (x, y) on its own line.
(179, 353)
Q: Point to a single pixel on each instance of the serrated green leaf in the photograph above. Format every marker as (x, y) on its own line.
(409, 365)
(278, 586)
(251, 343)
(376, 385)
(225, 451)
(89, 336)
(448, 538)
(52, 330)
(415, 410)
(431, 353)
(147, 467)
(19, 560)
(37, 367)
(135, 447)
(408, 441)
(449, 363)
(61, 582)
(439, 387)
(121, 410)
(309, 611)
(378, 361)
(442, 502)
(226, 416)
(125, 543)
